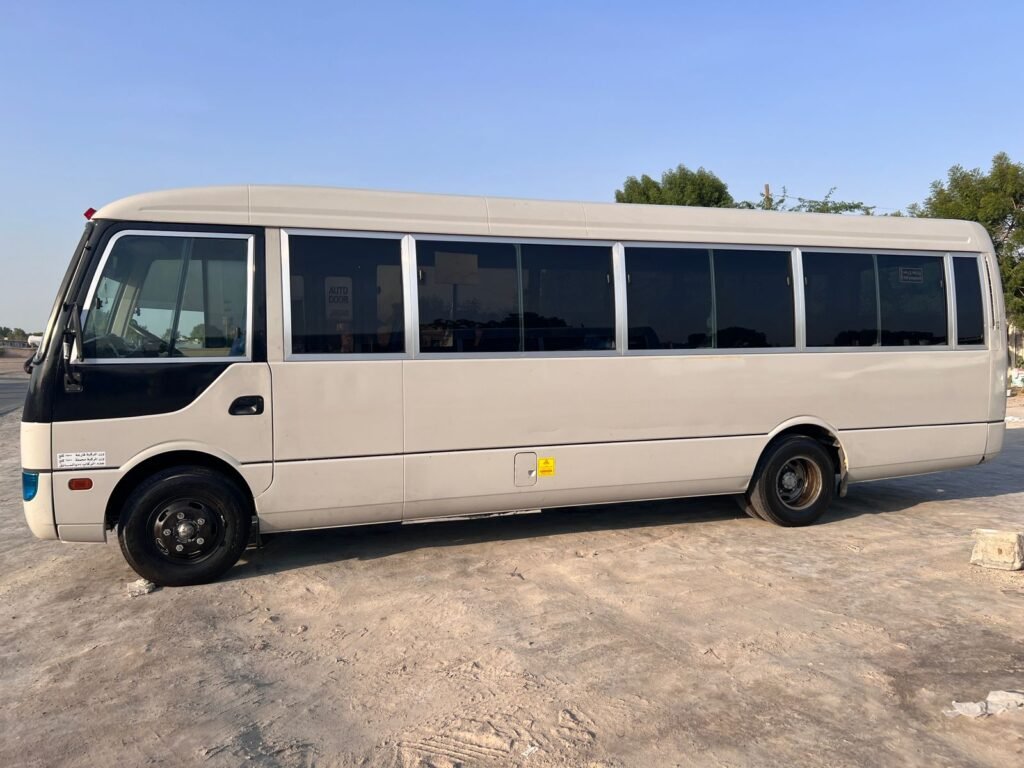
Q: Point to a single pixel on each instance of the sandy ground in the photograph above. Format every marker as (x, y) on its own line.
(13, 379)
(11, 361)
(663, 634)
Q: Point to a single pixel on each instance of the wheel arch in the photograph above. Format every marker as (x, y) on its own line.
(147, 463)
(817, 429)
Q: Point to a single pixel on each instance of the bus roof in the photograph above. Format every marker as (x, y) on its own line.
(405, 212)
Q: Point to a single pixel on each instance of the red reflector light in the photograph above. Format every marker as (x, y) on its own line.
(80, 483)
(89, 213)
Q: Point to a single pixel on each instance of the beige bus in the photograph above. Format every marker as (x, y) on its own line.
(227, 360)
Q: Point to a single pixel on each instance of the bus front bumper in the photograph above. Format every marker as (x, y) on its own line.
(38, 498)
(39, 508)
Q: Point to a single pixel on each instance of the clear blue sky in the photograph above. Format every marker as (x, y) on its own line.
(536, 99)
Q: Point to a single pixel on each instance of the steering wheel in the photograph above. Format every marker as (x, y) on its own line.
(109, 345)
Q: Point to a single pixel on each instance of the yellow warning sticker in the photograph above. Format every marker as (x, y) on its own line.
(546, 466)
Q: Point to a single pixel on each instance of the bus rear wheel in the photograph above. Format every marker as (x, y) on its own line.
(183, 526)
(794, 483)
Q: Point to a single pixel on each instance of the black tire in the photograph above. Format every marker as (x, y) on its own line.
(794, 482)
(183, 526)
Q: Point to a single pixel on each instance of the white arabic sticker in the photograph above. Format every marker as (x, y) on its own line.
(81, 459)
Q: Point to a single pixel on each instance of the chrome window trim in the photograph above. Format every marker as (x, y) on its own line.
(710, 248)
(937, 253)
(944, 256)
(880, 348)
(991, 292)
(724, 351)
(355, 356)
(611, 244)
(506, 239)
(621, 289)
(94, 286)
(986, 310)
(707, 246)
(517, 355)
(410, 295)
(951, 319)
(875, 252)
(286, 294)
(796, 270)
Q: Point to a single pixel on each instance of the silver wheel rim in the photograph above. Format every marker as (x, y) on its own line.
(798, 483)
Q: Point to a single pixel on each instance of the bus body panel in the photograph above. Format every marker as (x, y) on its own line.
(351, 441)
(997, 342)
(468, 482)
(35, 446)
(39, 510)
(336, 409)
(386, 211)
(203, 422)
(994, 440)
(338, 444)
(325, 493)
(874, 454)
(83, 513)
(461, 404)
(203, 426)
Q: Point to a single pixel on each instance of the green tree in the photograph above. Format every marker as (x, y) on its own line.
(702, 188)
(768, 201)
(17, 334)
(826, 204)
(996, 201)
(678, 186)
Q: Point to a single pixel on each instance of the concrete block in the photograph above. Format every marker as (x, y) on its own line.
(998, 549)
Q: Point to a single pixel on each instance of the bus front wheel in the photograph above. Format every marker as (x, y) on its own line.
(184, 526)
(794, 483)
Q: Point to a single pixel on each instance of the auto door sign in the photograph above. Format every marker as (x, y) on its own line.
(911, 275)
(339, 298)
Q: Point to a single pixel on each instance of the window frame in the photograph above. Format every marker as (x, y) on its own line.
(986, 321)
(250, 267)
(619, 271)
(286, 293)
(618, 297)
(795, 273)
(947, 271)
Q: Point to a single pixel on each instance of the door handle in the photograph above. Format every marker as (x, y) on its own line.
(247, 405)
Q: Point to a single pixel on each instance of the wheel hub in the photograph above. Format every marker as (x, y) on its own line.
(186, 530)
(799, 483)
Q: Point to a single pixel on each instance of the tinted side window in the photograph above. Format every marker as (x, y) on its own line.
(753, 299)
(346, 295)
(213, 305)
(468, 296)
(970, 316)
(668, 293)
(568, 299)
(513, 297)
(839, 293)
(163, 296)
(912, 299)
